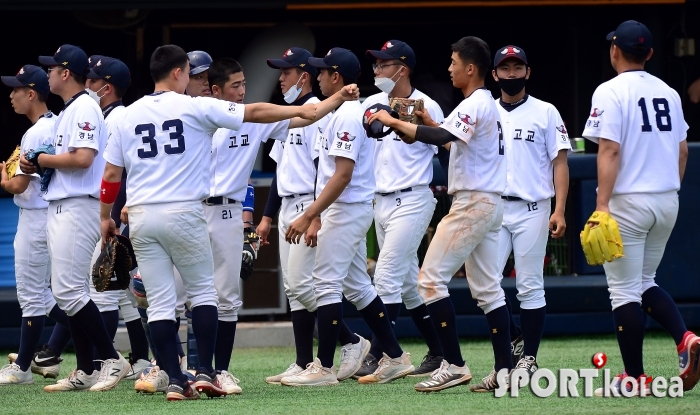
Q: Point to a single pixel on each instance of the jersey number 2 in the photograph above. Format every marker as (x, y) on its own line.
(663, 116)
(148, 136)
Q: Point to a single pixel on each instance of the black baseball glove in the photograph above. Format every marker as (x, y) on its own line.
(250, 252)
(111, 270)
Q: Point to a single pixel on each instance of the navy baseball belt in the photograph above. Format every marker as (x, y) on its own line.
(295, 195)
(406, 190)
(512, 198)
(218, 200)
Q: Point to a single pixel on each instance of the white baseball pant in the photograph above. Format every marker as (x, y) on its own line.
(400, 221)
(33, 264)
(73, 227)
(341, 255)
(645, 221)
(225, 228)
(525, 231)
(296, 260)
(467, 235)
(167, 234)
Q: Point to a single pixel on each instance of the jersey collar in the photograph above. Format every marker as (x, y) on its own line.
(108, 109)
(72, 99)
(302, 99)
(511, 106)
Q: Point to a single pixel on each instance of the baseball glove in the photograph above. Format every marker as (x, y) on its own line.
(33, 157)
(406, 108)
(376, 129)
(600, 239)
(12, 163)
(249, 252)
(111, 270)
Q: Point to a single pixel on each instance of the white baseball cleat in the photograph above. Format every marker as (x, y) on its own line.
(292, 370)
(352, 356)
(154, 381)
(137, 367)
(314, 375)
(77, 380)
(229, 383)
(12, 374)
(113, 370)
(390, 369)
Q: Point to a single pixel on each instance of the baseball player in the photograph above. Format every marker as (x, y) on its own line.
(292, 189)
(199, 76)
(637, 121)
(79, 140)
(32, 262)
(344, 193)
(107, 82)
(165, 187)
(537, 146)
(404, 204)
(470, 230)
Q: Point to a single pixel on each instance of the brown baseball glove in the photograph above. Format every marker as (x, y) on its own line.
(12, 163)
(111, 270)
(406, 108)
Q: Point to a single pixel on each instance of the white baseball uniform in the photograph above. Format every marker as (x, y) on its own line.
(164, 144)
(74, 207)
(645, 116)
(233, 154)
(469, 232)
(404, 206)
(341, 256)
(296, 177)
(534, 133)
(32, 261)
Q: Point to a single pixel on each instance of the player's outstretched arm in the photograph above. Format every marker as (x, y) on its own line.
(111, 181)
(347, 93)
(264, 113)
(335, 186)
(557, 223)
(80, 158)
(608, 166)
(16, 185)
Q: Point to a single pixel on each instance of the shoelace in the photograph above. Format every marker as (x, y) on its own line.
(490, 381)
(344, 354)
(442, 373)
(71, 375)
(384, 362)
(310, 368)
(104, 373)
(9, 367)
(152, 374)
(228, 378)
(524, 364)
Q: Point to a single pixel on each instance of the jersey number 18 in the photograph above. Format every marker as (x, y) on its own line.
(663, 116)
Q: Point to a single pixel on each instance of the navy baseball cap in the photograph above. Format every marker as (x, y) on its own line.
(509, 51)
(30, 76)
(341, 60)
(92, 60)
(395, 49)
(294, 58)
(70, 57)
(199, 61)
(632, 37)
(111, 70)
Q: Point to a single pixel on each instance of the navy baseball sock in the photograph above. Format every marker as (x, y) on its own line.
(303, 322)
(442, 314)
(532, 322)
(660, 306)
(629, 328)
(421, 318)
(82, 345)
(147, 331)
(60, 336)
(111, 320)
(330, 318)
(346, 336)
(90, 319)
(225, 336)
(205, 320)
(162, 336)
(59, 315)
(178, 340)
(377, 318)
(499, 329)
(392, 310)
(514, 329)
(137, 340)
(32, 328)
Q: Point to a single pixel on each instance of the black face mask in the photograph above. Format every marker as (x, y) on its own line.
(511, 86)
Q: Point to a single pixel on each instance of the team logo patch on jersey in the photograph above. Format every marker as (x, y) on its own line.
(562, 129)
(86, 126)
(466, 118)
(345, 136)
(596, 112)
(232, 107)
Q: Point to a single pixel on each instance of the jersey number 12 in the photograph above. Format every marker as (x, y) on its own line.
(663, 114)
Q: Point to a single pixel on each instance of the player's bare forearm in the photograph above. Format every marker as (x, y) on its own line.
(16, 185)
(80, 158)
(323, 108)
(608, 166)
(262, 112)
(561, 181)
(682, 158)
(405, 129)
(247, 217)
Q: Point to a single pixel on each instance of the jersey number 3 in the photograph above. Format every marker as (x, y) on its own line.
(663, 114)
(148, 136)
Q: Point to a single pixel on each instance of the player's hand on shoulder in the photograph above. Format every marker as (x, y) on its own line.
(557, 225)
(27, 166)
(263, 230)
(307, 111)
(350, 92)
(426, 118)
(311, 235)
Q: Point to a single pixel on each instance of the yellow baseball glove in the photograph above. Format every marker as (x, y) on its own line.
(12, 163)
(600, 239)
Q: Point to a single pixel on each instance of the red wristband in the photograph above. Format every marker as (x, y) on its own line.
(109, 191)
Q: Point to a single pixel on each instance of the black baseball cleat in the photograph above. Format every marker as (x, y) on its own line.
(46, 363)
(209, 384)
(369, 365)
(427, 366)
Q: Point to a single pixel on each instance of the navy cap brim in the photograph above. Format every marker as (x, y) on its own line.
(47, 61)
(610, 36)
(92, 75)
(11, 81)
(279, 64)
(378, 54)
(509, 57)
(318, 63)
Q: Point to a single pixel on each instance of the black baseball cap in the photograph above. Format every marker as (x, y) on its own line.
(70, 57)
(632, 37)
(294, 58)
(509, 51)
(395, 49)
(111, 70)
(341, 60)
(30, 76)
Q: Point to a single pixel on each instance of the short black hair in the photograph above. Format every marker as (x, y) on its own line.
(630, 57)
(346, 81)
(221, 69)
(119, 92)
(473, 50)
(79, 78)
(39, 96)
(165, 59)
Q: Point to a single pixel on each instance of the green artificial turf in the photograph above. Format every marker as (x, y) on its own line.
(251, 366)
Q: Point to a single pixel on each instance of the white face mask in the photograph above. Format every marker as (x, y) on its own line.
(293, 92)
(94, 95)
(386, 85)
